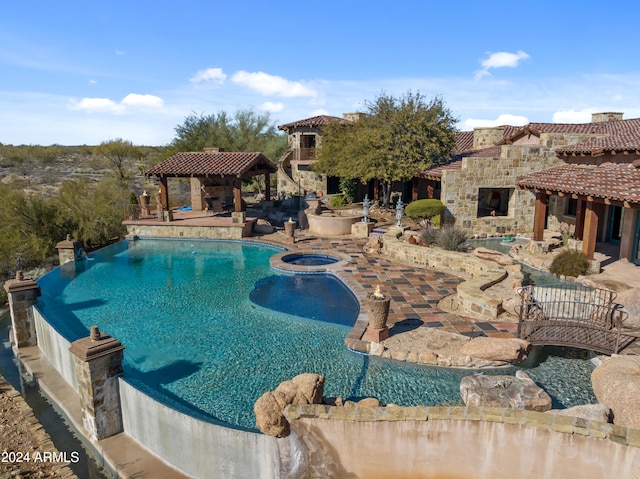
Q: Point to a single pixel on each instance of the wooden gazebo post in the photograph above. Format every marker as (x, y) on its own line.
(267, 186)
(539, 215)
(590, 232)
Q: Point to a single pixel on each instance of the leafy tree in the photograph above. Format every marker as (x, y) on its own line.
(394, 140)
(244, 131)
(119, 152)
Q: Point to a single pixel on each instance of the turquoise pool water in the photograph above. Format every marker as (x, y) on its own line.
(195, 340)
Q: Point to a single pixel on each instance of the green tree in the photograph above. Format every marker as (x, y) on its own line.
(244, 131)
(119, 152)
(392, 141)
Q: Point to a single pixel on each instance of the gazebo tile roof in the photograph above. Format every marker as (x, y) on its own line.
(615, 181)
(314, 121)
(224, 163)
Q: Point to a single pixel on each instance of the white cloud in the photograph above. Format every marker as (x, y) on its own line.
(272, 106)
(505, 119)
(215, 75)
(93, 82)
(501, 60)
(572, 116)
(106, 105)
(319, 112)
(272, 84)
(148, 101)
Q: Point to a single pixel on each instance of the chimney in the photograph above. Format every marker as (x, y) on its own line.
(213, 149)
(607, 116)
(352, 116)
(486, 137)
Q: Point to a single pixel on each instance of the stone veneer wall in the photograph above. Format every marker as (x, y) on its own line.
(460, 187)
(460, 443)
(471, 298)
(234, 232)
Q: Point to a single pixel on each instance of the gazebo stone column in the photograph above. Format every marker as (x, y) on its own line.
(238, 215)
(69, 250)
(23, 294)
(98, 362)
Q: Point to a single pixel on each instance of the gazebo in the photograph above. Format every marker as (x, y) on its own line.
(216, 177)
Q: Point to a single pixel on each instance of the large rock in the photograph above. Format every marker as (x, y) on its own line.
(616, 383)
(305, 388)
(630, 299)
(518, 392)
(492, 255)
(590, 412)
(263, 227)
(269, 419)
(497, 349)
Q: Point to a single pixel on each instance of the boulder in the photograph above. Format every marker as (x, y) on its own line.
(590, 412)
(263, 227)
(268, 410)
(373, 246)
(616, 383)
(630, 299)
(492, 255)
(497, 349)
(307, 388)
(518, 392)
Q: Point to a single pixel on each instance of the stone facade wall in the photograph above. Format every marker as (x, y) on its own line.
(460, 188)
(486, 137)
(465, 443)
(309, 179)
(232, 231)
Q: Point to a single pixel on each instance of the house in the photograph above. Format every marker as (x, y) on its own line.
(295, 175)
(502, 180)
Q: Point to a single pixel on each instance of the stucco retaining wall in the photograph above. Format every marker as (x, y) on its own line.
(199, 448)
(460, 443)
(484, 274)
(56, 349)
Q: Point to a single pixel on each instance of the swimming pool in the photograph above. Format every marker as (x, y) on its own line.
(197, 342)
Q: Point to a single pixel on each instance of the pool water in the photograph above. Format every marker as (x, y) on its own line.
(196, 341)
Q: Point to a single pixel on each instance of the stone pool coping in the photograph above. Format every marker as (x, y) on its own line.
(276, 262)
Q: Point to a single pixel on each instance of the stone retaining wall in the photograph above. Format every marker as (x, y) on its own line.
(234, 232)
(484, 274)
(479, 443)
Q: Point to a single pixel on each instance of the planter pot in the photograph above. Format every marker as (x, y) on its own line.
(378, 311)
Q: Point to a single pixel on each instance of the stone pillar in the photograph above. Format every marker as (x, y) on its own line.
(145, 201)
(361, 230)
(69, 250)
(98, 362)
(23, 294)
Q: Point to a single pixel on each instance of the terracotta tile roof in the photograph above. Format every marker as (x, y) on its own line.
(224, 163)
(617, 135)
(464, 141)
(314, 121)
(615, 181)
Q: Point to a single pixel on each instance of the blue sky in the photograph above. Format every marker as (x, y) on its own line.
(85, 72)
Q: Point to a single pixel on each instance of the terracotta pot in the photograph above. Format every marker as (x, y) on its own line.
(378, 310)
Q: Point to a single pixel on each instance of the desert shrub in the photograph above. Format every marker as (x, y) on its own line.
(428, 235)
(423, 211)
(338, 201)
(452, 238)
(569, 262)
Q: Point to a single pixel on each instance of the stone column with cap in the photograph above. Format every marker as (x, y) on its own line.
(69, 250)
(22, 294)
(98, 362)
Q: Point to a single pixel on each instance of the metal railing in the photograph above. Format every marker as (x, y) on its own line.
(573, 315)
